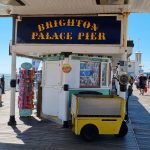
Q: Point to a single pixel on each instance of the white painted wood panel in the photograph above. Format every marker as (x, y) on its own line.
(52, 73)
(50, 101)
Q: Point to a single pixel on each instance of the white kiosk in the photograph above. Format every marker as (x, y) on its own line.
(87, 73)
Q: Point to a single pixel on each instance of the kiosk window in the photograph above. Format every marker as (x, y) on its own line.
(89, 74)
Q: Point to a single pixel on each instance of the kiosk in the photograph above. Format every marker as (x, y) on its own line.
(79, 53)
(82, 44)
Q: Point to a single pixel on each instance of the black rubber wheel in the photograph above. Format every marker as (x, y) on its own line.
(89, 132)
(123, 130)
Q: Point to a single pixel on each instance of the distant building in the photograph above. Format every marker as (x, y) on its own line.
(135, 66)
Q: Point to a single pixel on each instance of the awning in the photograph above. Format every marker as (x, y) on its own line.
(68, 7)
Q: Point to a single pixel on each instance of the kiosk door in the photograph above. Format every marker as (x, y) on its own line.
(51, 88)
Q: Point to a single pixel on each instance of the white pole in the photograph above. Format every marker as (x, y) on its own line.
(66, 95)
(125, 35)
(13, 90)
(124, 55)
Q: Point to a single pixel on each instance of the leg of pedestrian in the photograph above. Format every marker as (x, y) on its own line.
(0, 95)
(0, 100)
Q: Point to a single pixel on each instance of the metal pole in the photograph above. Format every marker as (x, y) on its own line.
(12, 120)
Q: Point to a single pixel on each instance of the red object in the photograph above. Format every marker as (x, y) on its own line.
(145, 89)
(26, 89)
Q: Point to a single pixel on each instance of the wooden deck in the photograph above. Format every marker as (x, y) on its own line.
(35, 134)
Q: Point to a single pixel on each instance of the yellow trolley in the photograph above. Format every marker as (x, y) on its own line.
(97, 114)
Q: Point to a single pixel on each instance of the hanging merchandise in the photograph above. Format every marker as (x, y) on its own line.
(26, 92)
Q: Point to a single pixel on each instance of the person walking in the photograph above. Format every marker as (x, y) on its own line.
(142, 83)
(0, 94)
(131, 80)
(149, 82)
(3, 84)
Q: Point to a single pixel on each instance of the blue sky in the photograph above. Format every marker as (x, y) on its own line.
(5, 38)
(138, 31)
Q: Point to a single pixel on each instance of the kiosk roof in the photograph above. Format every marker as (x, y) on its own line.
(66, 7)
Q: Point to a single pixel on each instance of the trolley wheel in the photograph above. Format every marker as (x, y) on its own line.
(123, 130)
(89, 132)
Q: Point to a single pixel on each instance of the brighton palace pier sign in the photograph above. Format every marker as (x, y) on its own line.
(69, 30)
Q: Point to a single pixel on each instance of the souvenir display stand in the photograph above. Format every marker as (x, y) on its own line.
(26, 92)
